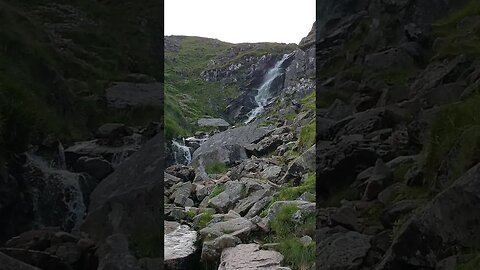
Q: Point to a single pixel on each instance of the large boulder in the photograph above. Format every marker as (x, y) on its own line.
(180, 249)
(450, 218)
(213, 122)
(9, 263)
(129, 200)
(227, 147)
(249, 256)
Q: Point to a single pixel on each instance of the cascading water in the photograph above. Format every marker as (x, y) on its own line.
(58, 189)
(181, 153)
(263, 94)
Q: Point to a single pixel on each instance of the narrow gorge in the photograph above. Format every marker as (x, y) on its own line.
(246, 197)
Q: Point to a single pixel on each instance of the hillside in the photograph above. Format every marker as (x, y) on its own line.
(397, 140)
(57, 59)
(188, 96)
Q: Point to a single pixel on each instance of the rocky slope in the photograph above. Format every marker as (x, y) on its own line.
(397, 135)
(247, 183)
(78, 97)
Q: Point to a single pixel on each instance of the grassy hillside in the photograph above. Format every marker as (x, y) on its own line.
(57, 57)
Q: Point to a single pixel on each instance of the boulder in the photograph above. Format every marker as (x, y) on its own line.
(303, 206)
(179, 244)
(344, 251)
(9, 263)
(213, 122)
(186, 173)
(240, 227)
(113, 131)
(300, 165)
(114, 253)
(127, 201)
(249, 256)
(234, 191)
(94, 166)
(390, 58)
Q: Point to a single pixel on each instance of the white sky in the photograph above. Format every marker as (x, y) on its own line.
(236, 21)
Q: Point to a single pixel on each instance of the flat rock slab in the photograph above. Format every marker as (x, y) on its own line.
(249, 256)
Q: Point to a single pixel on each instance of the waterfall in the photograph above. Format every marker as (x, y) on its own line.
(53, 187)
(263, 94)
(181, 152)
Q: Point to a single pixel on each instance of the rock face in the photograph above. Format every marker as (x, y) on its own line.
(128, 195)
(124, 94)
(445, 221)
(249, 256)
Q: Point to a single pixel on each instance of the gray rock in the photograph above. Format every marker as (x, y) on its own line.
(342, 251)
(124, 94)
(212, 122)
(212, 250)
(182, 192)
(303, 164)
(379, 179)
(271, 173)
(391, 58)
(396, 211)
(245, 204)
(346, 217)
(113, 131)
(94, 166)
(9, 263)
(249, 256)
(128, 195)
(239, 227)
(234, 191)
(258, 207)
(114, 253)
(448, 219)
(179, 245)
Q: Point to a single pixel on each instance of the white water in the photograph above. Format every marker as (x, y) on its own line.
(263, 94)
(181, 153)
(59, 179)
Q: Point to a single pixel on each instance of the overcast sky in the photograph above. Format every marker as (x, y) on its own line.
(285, 21)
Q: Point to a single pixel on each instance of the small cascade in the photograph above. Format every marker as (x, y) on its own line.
(62, 164)
(264, 92)
(131, 145)
(56, 189)
(181, 152)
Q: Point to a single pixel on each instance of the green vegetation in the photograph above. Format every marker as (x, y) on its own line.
(287, 231)
(308, 102)
(48, 87)
(216, 168)
(296, 254)
(217, 190)
(307, 136)
(204, 218)
(454, 40)
(454, 140)
(472, 264)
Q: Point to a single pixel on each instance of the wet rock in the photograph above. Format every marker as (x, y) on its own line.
(249, 256)
(94, 166)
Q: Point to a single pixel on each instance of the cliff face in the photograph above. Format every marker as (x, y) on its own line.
(396, 134)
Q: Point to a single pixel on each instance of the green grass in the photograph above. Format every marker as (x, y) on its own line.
(308, 102)
(307, 136)
(216, 168)
(297, 255)
(455, 127)
(204, 218)
(217, 190)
